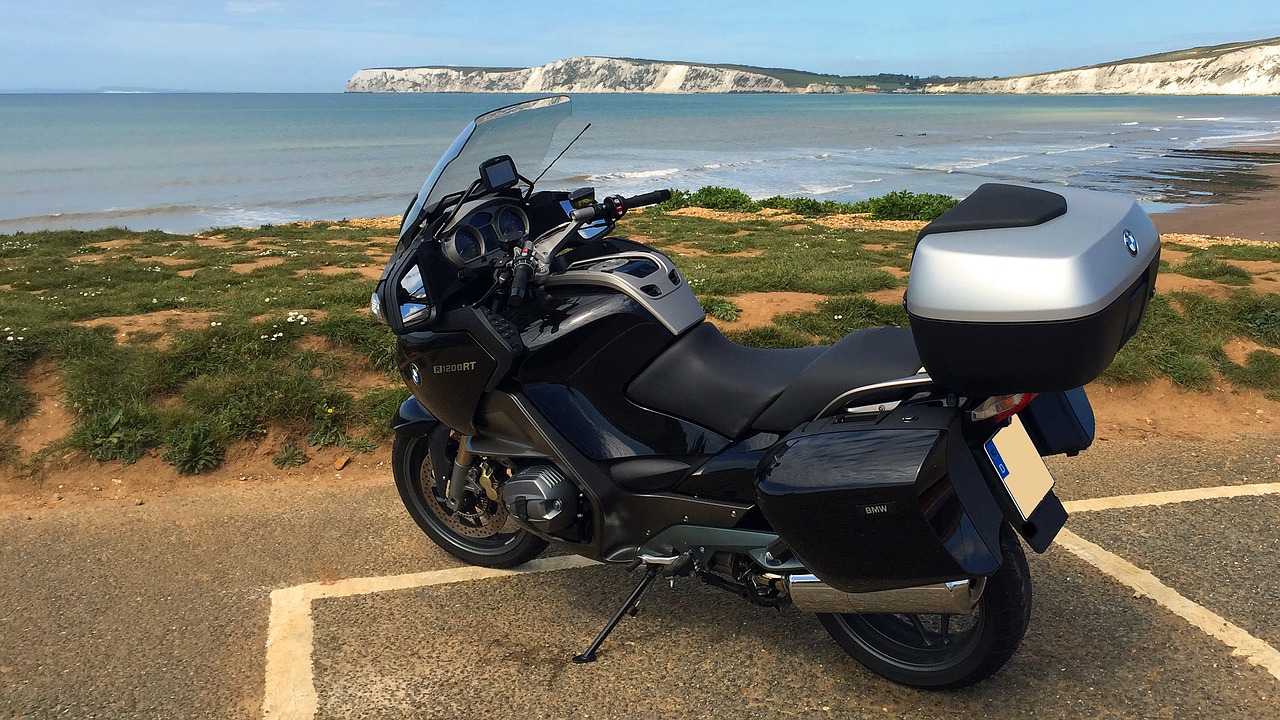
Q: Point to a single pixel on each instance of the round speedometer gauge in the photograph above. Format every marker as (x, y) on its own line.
(511, 220)
(467, 244)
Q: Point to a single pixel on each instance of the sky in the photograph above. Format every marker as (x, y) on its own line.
(315, 46)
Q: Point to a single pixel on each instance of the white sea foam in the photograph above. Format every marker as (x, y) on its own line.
(1097, 146)
(1129, 123)
(636, 174)
(828, 189)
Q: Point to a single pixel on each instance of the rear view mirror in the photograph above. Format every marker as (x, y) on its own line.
(401, 299)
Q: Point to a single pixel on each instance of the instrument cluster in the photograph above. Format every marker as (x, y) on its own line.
(470, 240)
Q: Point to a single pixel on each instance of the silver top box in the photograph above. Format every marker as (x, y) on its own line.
(1068, 267)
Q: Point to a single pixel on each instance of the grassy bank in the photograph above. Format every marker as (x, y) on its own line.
(183, 346)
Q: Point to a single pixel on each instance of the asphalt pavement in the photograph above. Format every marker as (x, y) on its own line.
(162, 611)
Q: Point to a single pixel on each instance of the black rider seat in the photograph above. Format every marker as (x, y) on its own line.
(710, 380)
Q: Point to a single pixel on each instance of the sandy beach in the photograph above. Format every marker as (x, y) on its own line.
(1253, 215)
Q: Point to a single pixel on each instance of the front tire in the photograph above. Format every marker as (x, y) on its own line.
(938, 652)
(416, 462)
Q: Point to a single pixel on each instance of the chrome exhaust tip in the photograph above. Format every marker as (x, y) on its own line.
(810, 594)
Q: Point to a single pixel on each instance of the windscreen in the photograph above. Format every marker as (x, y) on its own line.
(523, 131)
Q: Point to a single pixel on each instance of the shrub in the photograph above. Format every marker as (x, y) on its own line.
(193, 449)
(123, 434)
(290, 456)
(720, 308)
(714, 197)
(906, 205)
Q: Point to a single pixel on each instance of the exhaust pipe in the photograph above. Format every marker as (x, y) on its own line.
(810, 594)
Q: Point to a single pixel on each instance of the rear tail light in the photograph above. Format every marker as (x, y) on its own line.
(1001, 407)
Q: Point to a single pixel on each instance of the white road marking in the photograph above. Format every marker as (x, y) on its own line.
(290, 686)
(1144, 583)
(1171, 496)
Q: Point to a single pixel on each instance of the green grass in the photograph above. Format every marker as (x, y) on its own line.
(231, 356)
(1208, 267)
(247, 362)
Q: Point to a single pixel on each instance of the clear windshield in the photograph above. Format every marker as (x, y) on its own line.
(523, 131)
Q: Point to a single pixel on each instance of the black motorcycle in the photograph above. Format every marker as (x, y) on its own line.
(567, 391)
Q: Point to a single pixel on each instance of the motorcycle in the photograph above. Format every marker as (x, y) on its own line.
(566, 391)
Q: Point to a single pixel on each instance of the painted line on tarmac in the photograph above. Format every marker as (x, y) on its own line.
(1170, 497)
(290, 686)
(1242, 644)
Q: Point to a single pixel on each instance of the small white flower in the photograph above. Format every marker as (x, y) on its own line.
(264, 337)
(838, 317)
(10, 338)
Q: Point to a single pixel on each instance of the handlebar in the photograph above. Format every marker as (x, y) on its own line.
(615, 206)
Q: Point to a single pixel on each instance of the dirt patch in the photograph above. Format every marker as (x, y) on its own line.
(52, 420)
(1204, 241)
(686, 251)
(164, 260)
(771, 214)
(379, 223)
(1175, 257)
(245, 268)
(894, 271)
(116, 244)
(892, 296)
(215, 241)
(1257, 267)
(369, 272)
(797, 227)
(864, 222)
(1172, 282)
(164, 322)
(74, 480)
(1239, 349)
(1161, 408)
(758, 309)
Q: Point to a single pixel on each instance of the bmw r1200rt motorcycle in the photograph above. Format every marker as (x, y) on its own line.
(567, 391)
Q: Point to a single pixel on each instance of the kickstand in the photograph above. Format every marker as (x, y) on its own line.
(630, 607)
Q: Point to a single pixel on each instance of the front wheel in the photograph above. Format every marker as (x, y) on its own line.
(945, 651)
(481, 532)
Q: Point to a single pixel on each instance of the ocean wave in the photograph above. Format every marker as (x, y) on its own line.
(1128, 123)
(636, 174)
(1203, 119)
(828, 189)
(970, 164)
(1097, 146)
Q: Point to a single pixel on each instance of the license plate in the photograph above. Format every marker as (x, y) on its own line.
(1019, 466)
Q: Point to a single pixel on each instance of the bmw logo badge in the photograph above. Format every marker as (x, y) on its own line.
(1131, 242)
(417, 380)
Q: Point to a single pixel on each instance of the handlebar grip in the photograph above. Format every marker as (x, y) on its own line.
(521, 269)
(649, 198)
(586, 214)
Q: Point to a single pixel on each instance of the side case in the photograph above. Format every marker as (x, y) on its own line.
(881, 502)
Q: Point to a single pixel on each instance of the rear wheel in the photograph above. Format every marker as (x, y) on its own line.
(945, 651)
(481, 532)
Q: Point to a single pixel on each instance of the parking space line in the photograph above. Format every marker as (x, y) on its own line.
(1170, 497)
(290, 692)
(1242, 644)
(290, 684)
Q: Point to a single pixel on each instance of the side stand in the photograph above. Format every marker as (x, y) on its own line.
(630, 607)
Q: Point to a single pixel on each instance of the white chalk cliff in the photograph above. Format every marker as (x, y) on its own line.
(578, 75)
(1251, 68)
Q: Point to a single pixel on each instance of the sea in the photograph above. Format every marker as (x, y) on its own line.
(189, 162)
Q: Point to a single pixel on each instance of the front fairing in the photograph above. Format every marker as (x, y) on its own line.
(523, 131)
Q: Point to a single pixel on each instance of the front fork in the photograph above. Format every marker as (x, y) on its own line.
(459, 478)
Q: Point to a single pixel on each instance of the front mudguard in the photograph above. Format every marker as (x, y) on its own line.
(413, 420)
